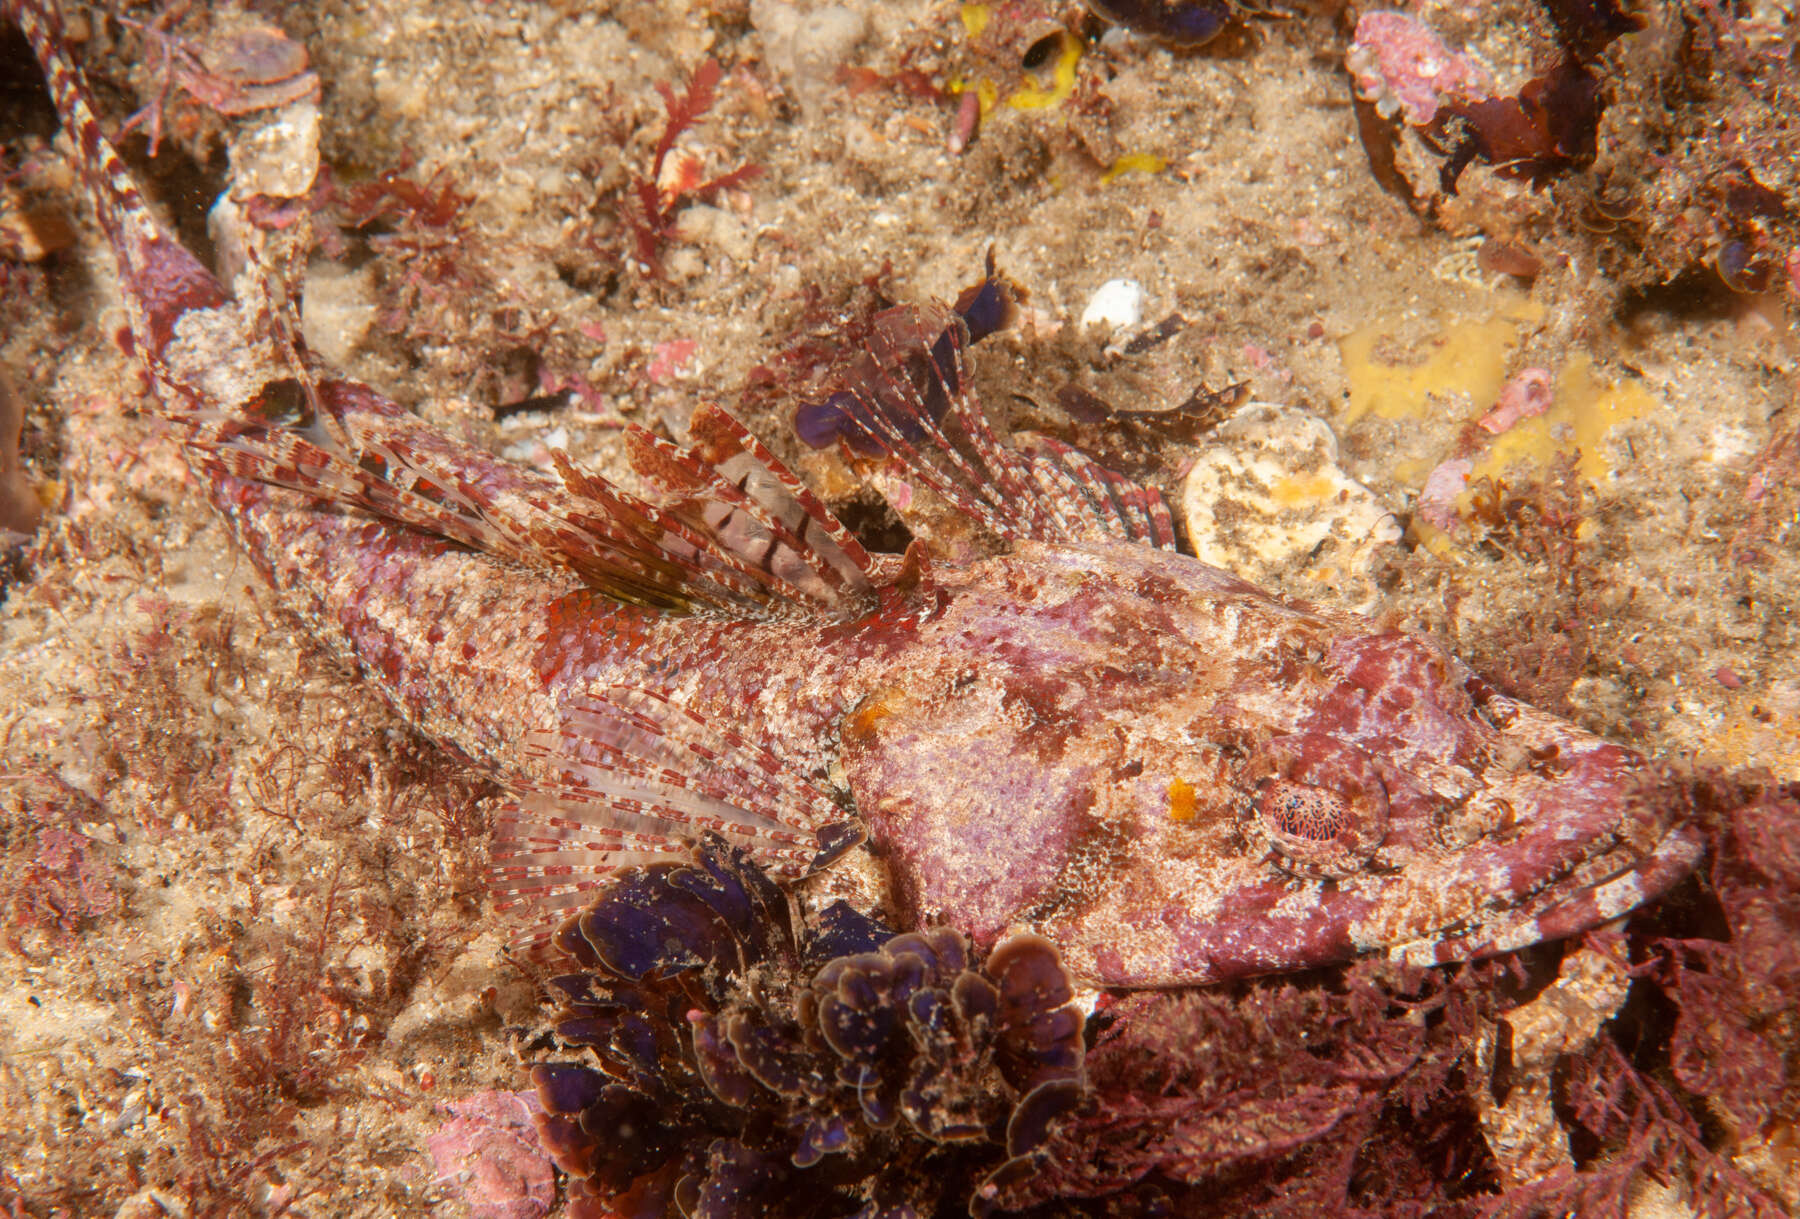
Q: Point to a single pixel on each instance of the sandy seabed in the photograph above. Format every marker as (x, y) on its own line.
(246, 961)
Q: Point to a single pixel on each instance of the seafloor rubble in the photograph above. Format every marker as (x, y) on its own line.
(1476, 317)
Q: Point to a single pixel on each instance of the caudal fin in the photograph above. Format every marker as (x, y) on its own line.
(162, 280)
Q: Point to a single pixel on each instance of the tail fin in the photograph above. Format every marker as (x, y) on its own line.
(163, 280)
(256, 406)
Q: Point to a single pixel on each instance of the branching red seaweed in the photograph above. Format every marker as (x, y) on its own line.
(652, 200)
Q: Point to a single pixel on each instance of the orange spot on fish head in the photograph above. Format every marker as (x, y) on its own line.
(1181, 800)
(862, 721)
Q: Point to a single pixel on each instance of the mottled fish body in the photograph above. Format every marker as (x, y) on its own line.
(1173, 776)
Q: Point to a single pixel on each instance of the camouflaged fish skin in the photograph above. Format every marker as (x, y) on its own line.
(1077, 745)
(1171, 775)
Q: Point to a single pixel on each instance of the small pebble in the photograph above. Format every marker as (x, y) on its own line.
(276, 153)
(807, 45)
(706, 225)
(1118, 305)
(684, 264)
(826, 39)
(338, 310)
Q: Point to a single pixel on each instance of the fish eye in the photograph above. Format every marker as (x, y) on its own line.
(1318, 808)
(1298, 810)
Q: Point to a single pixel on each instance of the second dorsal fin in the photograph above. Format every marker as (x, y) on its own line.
(740, 536)
(1037, 488)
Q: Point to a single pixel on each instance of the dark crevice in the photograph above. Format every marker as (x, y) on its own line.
(1697, 296)
(25, 107)
(875, 525)
(184, 188)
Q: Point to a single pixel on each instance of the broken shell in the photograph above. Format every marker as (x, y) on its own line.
(20, 510)
(252, 68)
(255, 55)
(1118, 304)
(1267, 501)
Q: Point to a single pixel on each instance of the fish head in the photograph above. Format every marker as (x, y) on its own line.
(1178, 778)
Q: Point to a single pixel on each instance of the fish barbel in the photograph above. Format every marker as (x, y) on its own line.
(1172, 775)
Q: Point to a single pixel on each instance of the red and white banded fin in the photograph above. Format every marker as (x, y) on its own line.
(632, 778)
(733, 489)
(1037, 488)
(730, 447)
(376, 457)
(1109, 502)
(732, 539)
(235, 375)
(691, 555)
(162, 280)
(328, 469)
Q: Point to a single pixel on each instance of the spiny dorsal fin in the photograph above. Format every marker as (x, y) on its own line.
(1038, 488)
(630, 778)
(735, 489)
(730, 447)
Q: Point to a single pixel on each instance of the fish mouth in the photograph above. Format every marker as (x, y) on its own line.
(1592, 831)
(1604, 888)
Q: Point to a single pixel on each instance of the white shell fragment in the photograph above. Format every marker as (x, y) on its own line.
(276, 153)
(1267, 501)
(1117, 304)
